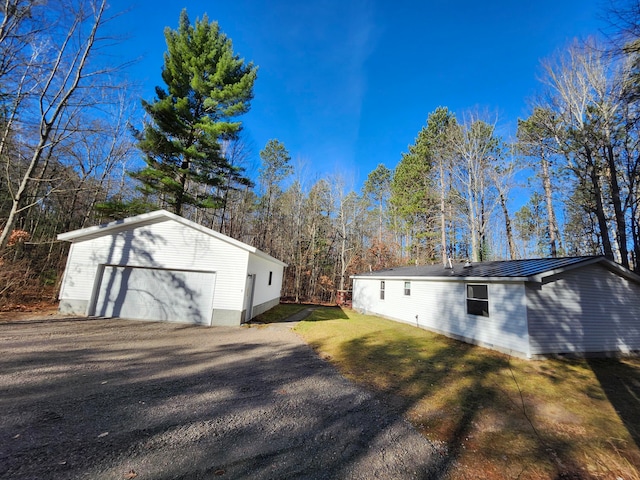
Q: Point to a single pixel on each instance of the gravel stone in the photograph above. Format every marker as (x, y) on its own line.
(116, 399)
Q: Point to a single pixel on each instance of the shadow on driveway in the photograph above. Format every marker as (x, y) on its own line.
(94, 398)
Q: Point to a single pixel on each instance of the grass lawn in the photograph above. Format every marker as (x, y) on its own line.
(500, 417)
(279, 313)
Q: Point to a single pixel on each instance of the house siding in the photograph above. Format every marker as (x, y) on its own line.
(167, 244)
(441, 307)
(585, 310)
(263, 292)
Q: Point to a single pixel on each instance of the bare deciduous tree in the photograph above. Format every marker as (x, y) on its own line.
(587, 101)
(537, 138)
(54, 77)
(475, 147)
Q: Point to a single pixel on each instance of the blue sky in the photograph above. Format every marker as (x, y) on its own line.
(346, 85)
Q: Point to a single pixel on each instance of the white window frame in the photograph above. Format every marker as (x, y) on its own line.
(382, 285)
(477, 300)
(407, 288)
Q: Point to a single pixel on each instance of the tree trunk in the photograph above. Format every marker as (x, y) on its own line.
(473, 221)
(443, 219)
(548, 195)
(16, 201)
(49, 114)
(600, 213)
(635, 231)
(482, 235)
(621, 226)
(507, 225)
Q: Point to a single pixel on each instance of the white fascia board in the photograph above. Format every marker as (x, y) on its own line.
(266, 256)
(99, 230)
(224, 238)
(608, 264)
(622, 271)
(452, 278)
(549, 273)
(157, 217)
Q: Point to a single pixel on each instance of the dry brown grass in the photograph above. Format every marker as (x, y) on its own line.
(29, 277)
(500, 417)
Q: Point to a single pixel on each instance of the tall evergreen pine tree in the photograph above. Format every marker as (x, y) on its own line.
(207, 85)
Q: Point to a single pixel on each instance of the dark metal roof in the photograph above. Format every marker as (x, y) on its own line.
(496, 269)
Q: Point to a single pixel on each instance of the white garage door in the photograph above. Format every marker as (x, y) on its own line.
(156, 294)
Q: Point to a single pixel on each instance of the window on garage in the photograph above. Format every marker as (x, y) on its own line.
(478, 299)
(381, 289)
(407, 288)
(270, 277)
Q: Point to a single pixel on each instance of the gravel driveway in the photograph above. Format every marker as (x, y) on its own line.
(118, 399)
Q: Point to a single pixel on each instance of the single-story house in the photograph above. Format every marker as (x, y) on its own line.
(528, 308)
(160, 266)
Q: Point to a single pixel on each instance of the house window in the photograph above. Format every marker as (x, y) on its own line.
(478, 300)
(381, 289)
(270, 277)
(407, 288)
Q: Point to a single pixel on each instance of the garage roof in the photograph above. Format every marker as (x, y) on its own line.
(149, 219)
(533, 270)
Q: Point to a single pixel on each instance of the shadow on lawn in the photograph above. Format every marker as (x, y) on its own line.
(621, 384)
(327, 313)
(425, 380)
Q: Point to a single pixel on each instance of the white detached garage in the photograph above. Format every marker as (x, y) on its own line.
(160, 266)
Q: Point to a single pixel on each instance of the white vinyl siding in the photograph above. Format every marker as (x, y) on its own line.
(441, 306)
(589, 309)
(166, 244)
(162, 255)
(268, 279)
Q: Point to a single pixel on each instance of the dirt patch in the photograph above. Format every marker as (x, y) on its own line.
(30, 311)
(113, 399)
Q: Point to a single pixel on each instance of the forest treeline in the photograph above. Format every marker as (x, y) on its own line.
(75, 152)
